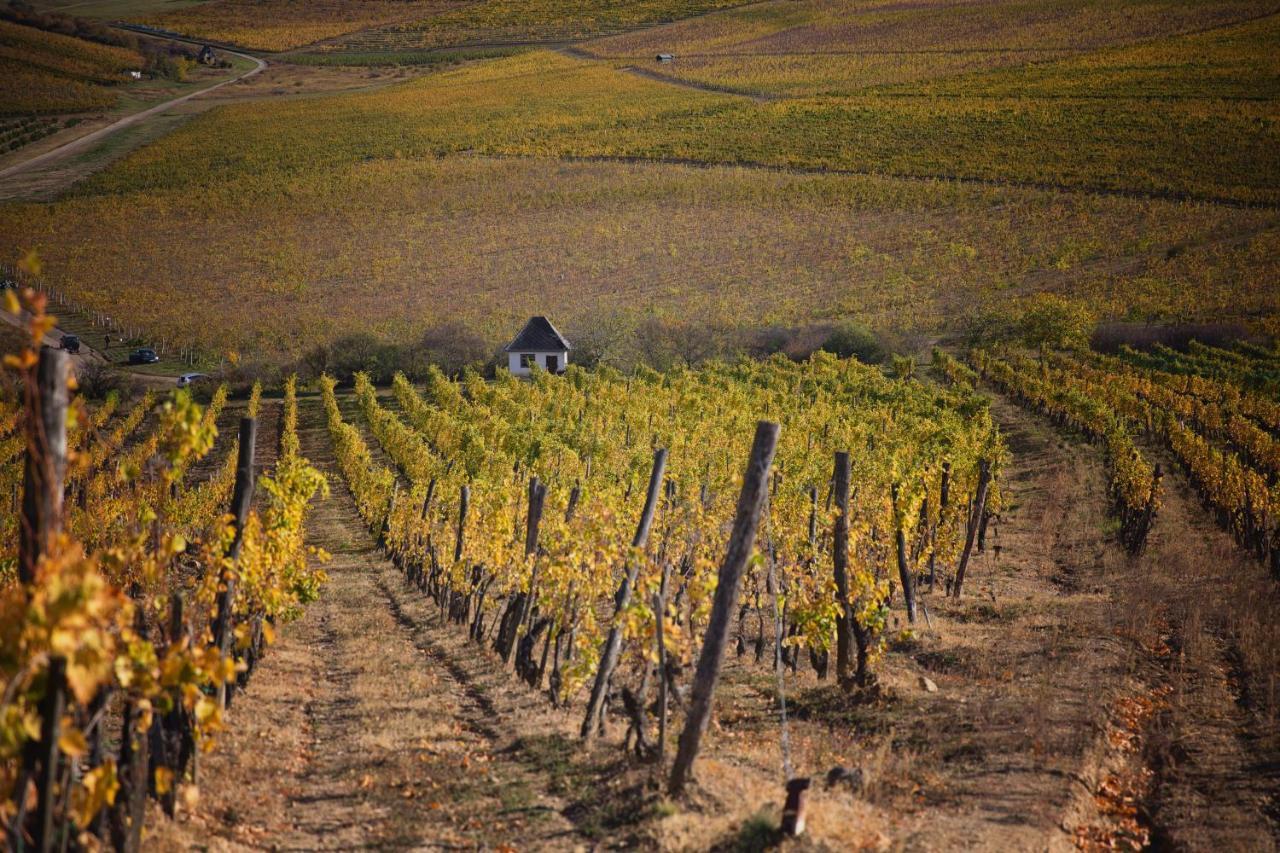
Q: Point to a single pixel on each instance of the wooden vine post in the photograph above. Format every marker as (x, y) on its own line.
(751, 501)
(613, 643)
(944, 499)
(840, 561)
(40, 525)
(522, 604)
(241, 500)
(660, 615)
(975, 519)
(46, 462)
(905, 574)
(52, 707)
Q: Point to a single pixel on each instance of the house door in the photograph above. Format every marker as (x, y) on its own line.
(553, 364)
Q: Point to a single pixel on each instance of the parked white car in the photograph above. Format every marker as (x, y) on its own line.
(189, 378)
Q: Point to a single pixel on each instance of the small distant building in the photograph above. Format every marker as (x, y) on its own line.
(538, 344)
(666, 57)
(206, 56)
(134, 75)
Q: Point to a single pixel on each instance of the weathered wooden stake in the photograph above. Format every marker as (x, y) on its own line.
(613, 643)
(51, 710)
(840, 561)
(660, 609)
(241, 500)
(464, 501)
(944, 499)
(46, 462)
(741, 545)
(793, 813)
(975, 519)
(904, 571)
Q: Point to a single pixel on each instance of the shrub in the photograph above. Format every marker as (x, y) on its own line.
(346, 357)
(851, 340)
(450, 347)
(1051, 321)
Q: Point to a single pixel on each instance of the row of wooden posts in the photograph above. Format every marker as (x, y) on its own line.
(518, 613)
(519, 610)
(170, 741)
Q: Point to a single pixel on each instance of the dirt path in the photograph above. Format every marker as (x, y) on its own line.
(1208, 616)
(1008, 753)
(367, 725)
(82, 143)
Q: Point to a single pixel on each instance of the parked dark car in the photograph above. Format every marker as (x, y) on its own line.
(145, 355)
(70, 343)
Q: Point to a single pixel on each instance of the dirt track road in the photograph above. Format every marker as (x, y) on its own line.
(89, 139)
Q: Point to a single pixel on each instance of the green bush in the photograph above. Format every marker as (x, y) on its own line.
(851, 340)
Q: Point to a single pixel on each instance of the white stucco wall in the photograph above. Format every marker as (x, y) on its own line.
(513, 361)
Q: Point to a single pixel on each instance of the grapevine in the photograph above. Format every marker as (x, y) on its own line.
(122, 603)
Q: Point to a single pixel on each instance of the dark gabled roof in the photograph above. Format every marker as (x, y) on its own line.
(538, 335)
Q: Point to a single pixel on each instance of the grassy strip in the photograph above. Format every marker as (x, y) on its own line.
(399, 58)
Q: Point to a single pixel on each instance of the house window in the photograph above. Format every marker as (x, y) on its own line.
(528, 360)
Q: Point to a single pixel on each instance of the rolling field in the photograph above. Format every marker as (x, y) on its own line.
(450, 240)
(504, 22)
(843, 47)
(1005, 205)
(111, 10)
(546, 104)
(43, 72)
(363, 26)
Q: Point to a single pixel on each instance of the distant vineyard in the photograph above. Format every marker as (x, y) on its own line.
(400, 26)
(280, 25)
(843, 47)
(64, 55)
(544, 104)
(43, 72)
(607, 244)
(525, 21)
(17, 132)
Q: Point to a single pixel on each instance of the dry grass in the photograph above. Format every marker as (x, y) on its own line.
(1201, 617)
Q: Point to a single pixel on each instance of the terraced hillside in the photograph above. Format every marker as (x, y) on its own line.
(43, 73)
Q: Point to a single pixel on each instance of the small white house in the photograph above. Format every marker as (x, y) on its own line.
(538, 344)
